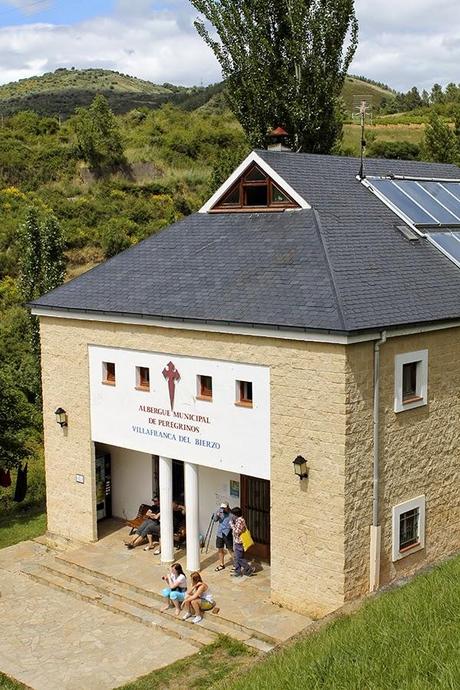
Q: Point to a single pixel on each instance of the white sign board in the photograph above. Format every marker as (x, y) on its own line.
(171, 420)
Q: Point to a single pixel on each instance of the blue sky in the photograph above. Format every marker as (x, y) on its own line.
(54, 11)
(402, 42)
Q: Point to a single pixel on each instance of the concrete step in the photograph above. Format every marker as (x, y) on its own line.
(139, 612)
(218, 624)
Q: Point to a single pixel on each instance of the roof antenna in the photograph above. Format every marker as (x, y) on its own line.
(362, 118)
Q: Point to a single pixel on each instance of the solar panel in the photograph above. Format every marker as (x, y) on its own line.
(404, 203)
(448, 242)
(432, 202)
(444, 194)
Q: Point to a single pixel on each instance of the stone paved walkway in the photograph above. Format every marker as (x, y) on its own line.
(51, 641)
(242, 601)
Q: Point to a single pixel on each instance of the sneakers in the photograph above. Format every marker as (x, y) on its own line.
(235, 574)
(250, 571)
(157, 552)
(197, 619)
(186, 616)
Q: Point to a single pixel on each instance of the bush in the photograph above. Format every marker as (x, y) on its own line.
(398, 150)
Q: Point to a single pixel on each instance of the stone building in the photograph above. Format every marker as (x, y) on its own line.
(303, 314)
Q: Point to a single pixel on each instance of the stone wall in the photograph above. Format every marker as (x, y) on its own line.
(307, 417)
(419, 454)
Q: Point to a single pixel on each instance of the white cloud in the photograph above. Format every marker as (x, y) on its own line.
(28, 6)
(402, 43)
(153, 47)
(409, 42)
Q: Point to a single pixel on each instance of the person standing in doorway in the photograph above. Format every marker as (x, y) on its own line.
(224, 537)
(238, 524)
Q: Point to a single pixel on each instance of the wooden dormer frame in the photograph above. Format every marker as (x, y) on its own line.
(254, 159)
(243, 188)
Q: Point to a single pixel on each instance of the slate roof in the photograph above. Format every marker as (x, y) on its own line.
(342, 266)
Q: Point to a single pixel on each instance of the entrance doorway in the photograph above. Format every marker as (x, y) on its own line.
(255, 504)
(177, 479)
(103, 486)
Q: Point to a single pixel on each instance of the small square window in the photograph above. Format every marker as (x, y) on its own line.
(408, 527)
(244, 393)
(411, 380)
(143, 378)
(108, 373)
(204, 386)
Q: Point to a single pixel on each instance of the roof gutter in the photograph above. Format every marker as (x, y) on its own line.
(238, 328)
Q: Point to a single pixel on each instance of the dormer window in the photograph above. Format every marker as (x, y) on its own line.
(254, 191)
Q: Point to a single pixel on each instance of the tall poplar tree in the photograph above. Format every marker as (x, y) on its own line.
(42, 263)
(285, 64)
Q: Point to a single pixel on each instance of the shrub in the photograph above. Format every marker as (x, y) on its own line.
(399, 150)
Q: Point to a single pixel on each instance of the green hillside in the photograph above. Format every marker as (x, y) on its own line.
(355, 87)
(60, 92)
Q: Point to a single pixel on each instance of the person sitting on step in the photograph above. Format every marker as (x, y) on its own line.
(198, 599)
(149, 529)
(176, 587)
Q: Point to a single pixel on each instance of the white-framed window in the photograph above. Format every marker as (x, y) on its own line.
(408, 527)
(143, 379)
(204, 387)
(244, 394)
(411, 380)
(108, 373)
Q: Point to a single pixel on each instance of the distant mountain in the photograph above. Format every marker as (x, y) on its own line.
(60, 92)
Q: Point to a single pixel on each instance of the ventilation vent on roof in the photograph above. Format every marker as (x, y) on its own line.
(407, 232)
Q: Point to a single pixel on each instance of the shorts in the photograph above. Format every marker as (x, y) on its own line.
(206, 605)
(173, 594)
(226, 540)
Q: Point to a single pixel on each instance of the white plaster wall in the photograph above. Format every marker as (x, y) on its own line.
(131, 481)
(214, 488)
(224, 435)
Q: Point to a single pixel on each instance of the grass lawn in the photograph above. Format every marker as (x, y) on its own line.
(407, 639)
(18, 526)
(206, 669)
(7, 683)
(390, 132)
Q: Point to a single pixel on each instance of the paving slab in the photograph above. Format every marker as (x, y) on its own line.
(242, 601)
(51, 641)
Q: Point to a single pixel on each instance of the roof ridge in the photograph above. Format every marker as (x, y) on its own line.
(319, 229)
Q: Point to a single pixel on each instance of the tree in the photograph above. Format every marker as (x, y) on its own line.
(285, 64)
(437, 95)
(440, 141)
(41, 264)
(98, 136)
(15, 414)
(52, 254)
(30, 256)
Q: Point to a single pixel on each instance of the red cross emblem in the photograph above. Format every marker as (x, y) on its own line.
(171, 375)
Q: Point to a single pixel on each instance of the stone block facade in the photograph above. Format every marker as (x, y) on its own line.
(307, 417)
(321, 408)
(419, 455)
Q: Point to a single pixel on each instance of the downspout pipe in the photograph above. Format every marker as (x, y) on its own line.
(375, 536)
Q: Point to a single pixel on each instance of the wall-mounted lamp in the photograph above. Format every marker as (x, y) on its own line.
(300, 467)
(61, 417)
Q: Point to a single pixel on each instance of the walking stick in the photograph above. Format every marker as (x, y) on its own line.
(208, 531)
